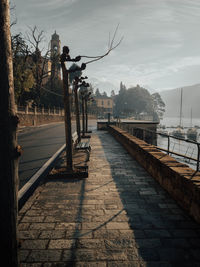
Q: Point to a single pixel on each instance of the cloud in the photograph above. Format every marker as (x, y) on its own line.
(160, 36)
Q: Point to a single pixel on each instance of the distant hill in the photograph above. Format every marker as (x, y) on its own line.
(191, 99)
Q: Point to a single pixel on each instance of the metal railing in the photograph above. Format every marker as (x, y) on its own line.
(131, 130)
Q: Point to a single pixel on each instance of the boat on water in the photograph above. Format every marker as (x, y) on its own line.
(192, 134)
(192, 131)
(179, 132)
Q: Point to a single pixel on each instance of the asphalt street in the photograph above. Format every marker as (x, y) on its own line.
(39, 144)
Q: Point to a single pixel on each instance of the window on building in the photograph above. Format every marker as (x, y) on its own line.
(108, 102)
(102, 102)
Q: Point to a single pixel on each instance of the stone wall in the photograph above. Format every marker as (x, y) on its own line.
(38, 119)
(181, 182)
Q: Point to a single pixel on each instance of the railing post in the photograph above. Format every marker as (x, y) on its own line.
(198, 155)
(168, 144)
(26, 110)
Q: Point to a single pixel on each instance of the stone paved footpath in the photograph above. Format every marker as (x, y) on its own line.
(119, 216)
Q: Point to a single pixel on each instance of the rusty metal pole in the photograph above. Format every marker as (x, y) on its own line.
(86, 115)
(77, 111)
(67, 116)
(83, 116)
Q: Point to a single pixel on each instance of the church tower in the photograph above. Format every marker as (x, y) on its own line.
(55, 56)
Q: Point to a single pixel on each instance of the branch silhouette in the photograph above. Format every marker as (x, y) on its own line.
(111, 47)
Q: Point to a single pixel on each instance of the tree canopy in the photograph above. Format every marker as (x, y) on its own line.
(133, 101)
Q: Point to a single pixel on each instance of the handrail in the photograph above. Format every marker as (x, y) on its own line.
(120, 125)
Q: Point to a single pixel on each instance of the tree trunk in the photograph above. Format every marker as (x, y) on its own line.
(83, 117)
(67, 110)
(8, 144)
(77, 113)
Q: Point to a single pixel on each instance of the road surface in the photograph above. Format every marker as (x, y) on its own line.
(39, 144)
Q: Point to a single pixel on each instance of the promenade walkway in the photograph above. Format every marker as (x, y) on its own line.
(119, 216)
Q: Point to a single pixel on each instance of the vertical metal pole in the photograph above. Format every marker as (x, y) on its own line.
(77, 112)
(168, 144)
(108, 118)
(86, 115)
(67, 110)
(198, 147)
(83, 117)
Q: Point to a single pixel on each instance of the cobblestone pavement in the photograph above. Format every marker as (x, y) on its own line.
(119, 216)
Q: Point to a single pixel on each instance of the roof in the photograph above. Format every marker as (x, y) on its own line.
(55, 36)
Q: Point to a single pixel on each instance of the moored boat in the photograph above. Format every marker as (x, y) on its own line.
(178, 132)
(192, 134)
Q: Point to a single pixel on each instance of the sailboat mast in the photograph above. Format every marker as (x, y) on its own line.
(191, 118)
(181, 107)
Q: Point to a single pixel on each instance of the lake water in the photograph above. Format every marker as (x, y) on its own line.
(181, 147)
(175, 121)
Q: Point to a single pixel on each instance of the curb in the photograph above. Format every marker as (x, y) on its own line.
(25, 192)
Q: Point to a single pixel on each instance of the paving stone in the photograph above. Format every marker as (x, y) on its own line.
(118, 216)
(44, 255)
(34, 244)
(42, 226)
(175, 242)
(124, 264)
(91, 264)
(52, 234)
(157, 233)
(31, 234)
(148, 242)
(156, 264)
(31, 219)
(119, 243)
(31, 265)
(148, 254)
(90, 243)
(23, 254)
(183, 233)
(174, 254)
(79, 255)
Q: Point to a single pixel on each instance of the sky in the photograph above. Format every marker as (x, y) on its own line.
(161, 41)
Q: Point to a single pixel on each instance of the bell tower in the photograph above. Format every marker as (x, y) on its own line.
(55, 56)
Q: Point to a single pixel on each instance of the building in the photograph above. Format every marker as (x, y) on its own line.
(55, 56)
(104, 105)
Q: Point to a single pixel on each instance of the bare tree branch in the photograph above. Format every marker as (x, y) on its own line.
(108, 52)
(111, 47)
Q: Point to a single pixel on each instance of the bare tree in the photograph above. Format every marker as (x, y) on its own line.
(35, 37)
(65, 57)
(8, 143)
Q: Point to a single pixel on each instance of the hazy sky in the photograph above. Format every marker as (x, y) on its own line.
(161, 45)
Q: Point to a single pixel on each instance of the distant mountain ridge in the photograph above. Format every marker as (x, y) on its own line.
(191, 100)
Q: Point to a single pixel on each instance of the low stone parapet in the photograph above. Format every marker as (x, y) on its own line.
(181, 182)
(38, 119)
